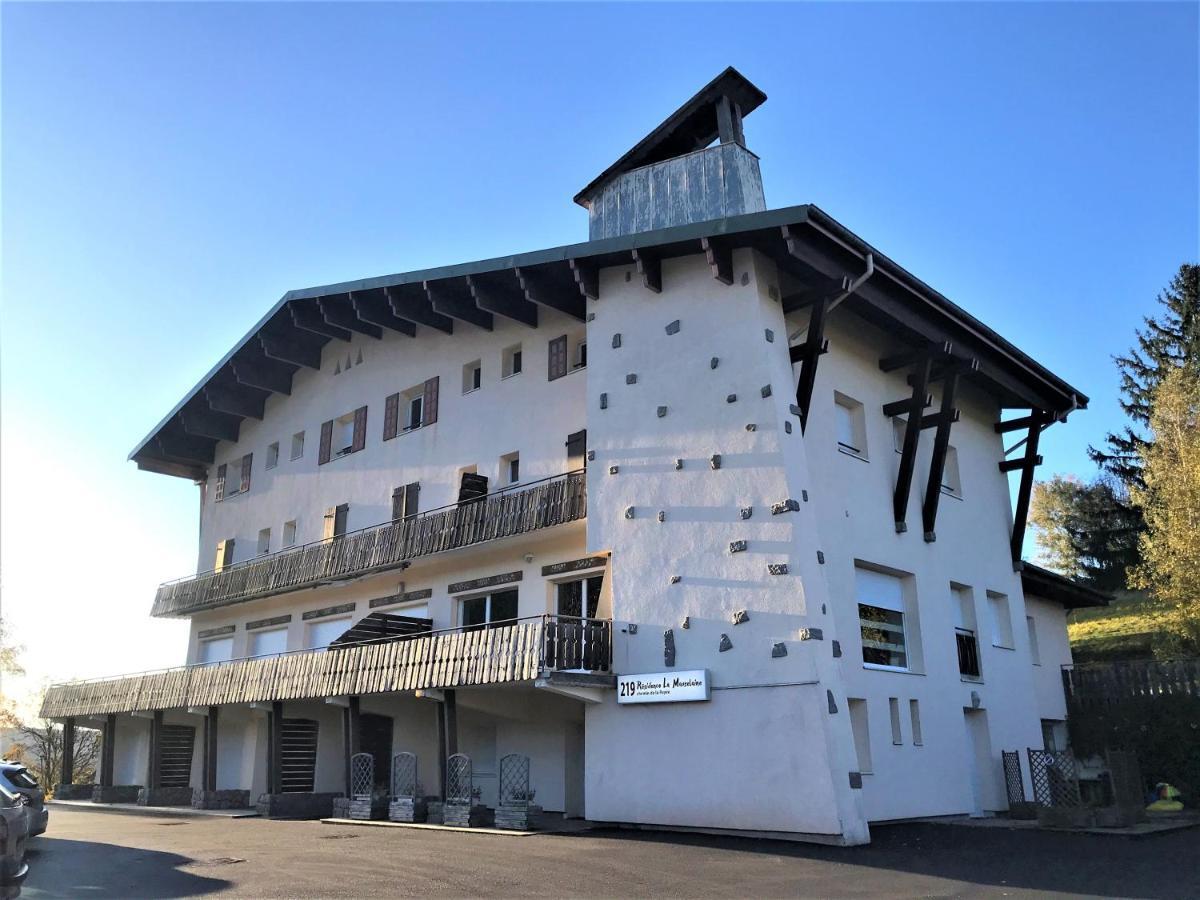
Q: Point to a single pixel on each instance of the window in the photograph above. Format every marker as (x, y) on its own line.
(862, 733)
(580, 599)
(851, 425)
(950, 481)
(510, 468)
(510, 361)
(264, 541)
(881, 619)
(1035, 652)
(914, 717)
(273, 455)
(899, 426)
(335, 521)
(894, 713)
(479, 612)
(289, 533)
(413, 408)
(342, 436)
(404, 501)
(271, 642)
(225, 486)
(1002, 629)
(297, 445)
(224, 554)
(579, 353)
(415, 611)
(1054, 734)
(321, 634)
(216, 650)
(472, 376)
(965, 636)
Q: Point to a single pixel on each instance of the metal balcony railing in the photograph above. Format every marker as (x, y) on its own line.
(518, 650)
(512, 511)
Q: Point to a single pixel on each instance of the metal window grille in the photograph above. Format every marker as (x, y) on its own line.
(514, 779)
(404, 776)
(459, 780)
(968, 653)
(362, 776)
(1014, 783)
(1055, 778)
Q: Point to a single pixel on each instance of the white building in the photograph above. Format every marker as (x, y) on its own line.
(796, 496)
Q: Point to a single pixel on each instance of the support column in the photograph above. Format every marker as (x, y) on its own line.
(441, 736)
(154, 768)
(68, 751)
(275, 749)
(209, 780)
(108, 750)
(350, 735)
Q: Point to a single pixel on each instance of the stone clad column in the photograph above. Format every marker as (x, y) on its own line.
(68, 751)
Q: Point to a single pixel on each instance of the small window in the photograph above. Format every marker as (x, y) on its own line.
(860, 726)
(914, 718)
(950, 480)
(894, 713)
(510, 468)
(1002, 628)
(510, 361)
(297, 445)
(321, 634)
(273, 455)
(851, 425)
(965, 638)
(1035, 652)
(482, 612)
(264, 541)
(343, 435)
(289, 533)
(271, 642)
(579, 353)
(899, 426)
(881, 619)
(472, 377)
(412, 408)
(216, 650)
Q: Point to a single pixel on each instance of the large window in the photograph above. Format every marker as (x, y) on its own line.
(881, 619)
(580, 598)
(322, 633)
(480, 612)
(216, 650)
(270, 642)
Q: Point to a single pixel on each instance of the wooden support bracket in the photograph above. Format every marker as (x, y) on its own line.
(649, 267)
(410, 302)
(808, 354)
(912, 433)
(720, 258)
(338, 310)
(373, 307)
(587, 277)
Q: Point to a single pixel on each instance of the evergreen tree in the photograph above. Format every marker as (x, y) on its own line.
(1168, 341)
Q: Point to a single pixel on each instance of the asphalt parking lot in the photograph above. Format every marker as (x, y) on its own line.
(101, 854)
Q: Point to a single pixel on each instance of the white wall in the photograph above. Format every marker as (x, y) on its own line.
(1054, 648)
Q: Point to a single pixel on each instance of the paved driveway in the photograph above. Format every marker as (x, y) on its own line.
(102, 855)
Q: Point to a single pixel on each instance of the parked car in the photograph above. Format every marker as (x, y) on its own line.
(14, 826)
(19, 780)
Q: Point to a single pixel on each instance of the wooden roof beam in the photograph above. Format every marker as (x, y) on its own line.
(338, 310)
(453, 299)
(502, 297)
(372, 306)
(208, 423)
(720, 258)
(186, 448)
(540, 288)
(264, 373)
(409, 301)
(296, 349)
(235, 399)
(587, 276)
(307, 316)
(649, 267)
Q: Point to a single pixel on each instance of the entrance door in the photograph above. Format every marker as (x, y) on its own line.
(979, 760)
(576, 641)
(176, 743)
(375, 737)
(298, 756)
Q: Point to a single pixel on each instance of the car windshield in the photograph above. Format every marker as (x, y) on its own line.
(21, 778)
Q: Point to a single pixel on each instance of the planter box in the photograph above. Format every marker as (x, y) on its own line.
(74, 791)
(406, 809)
(116, 793)
(233, 799)
(1024, 810)
(462, 815)
(435, 811)
(1119, 816)
(1066, 816)
(296, 806)
(519, 817)
(171, 796)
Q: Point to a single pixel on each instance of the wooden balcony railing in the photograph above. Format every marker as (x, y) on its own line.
(517, 510)
(514, 651)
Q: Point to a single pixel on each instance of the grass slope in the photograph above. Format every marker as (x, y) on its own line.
(1128, 628)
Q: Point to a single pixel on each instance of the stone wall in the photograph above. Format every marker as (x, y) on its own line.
(231, 799)
(165, 796)
(74, 791)
(116, 793)
(296, 806)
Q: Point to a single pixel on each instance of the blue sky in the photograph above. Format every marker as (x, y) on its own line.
(170, 169)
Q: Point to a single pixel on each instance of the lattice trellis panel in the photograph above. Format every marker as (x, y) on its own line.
(459, 779)
(1014, 783)
(404, 775)
(362, 776)
(1055, 778)
(514, 778)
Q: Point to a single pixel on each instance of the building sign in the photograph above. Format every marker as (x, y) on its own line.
(663, 687)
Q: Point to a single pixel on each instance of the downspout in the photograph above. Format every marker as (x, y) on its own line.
(848, 288)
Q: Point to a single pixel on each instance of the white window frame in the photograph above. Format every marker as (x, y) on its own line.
(472, 376)
(290, 531)
(260, 549)
(344, 622)
(297, 445)
(872, 591)
(848, 409)
(460, 604)
(1000, 614)
(272, 455)
(343, 436)
(224, 640)
(256, 635)
(509, 357)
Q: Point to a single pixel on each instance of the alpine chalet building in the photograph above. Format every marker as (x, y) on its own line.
(707, 516)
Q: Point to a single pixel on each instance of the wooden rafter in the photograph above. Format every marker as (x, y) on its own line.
(555, 293)
(454, 300)
(649, 267)
(807, 355)
(1026, 465)
(306, 315)
(912, 431)
(942, 420)
(372, 306)
(502, 297)
(408, 301)
(338, 309)
(587, 276)
(720, 258)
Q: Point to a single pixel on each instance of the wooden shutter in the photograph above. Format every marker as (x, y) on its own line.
(224, 554)
(219, 561)
(391, 416)
(360, 429)
(557, 359)
(329, 523)
(326, 442)
(247, 462)
(411, 493)
(577, 450)
(220, 492)
(340, 514)
(397, 504)
(429, 412)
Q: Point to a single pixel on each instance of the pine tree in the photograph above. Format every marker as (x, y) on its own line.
(1168, 341)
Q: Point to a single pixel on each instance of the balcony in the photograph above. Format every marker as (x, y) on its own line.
(520, 650)
(512, 511)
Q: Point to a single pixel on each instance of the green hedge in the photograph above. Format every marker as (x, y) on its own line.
(1164, 732)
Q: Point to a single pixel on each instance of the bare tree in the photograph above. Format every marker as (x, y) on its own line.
(40, 747)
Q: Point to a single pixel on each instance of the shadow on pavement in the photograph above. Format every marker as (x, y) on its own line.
(66, 868)
(1161, 866)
